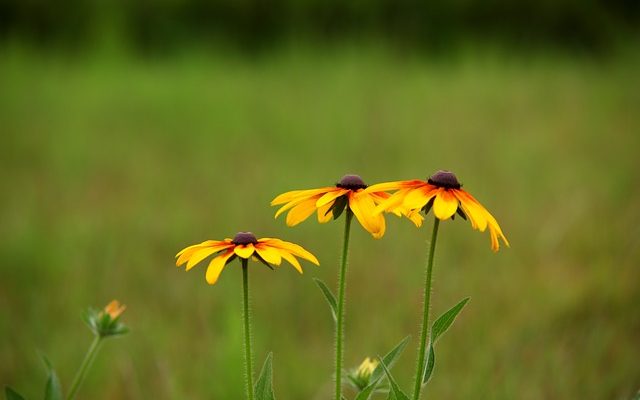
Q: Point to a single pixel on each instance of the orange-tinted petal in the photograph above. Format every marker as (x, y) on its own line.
(244, 250)
(271, 255)
(395, 185)
(216, 265)
(297, 194)
(445, 204)
(417, 198)
(472, 209)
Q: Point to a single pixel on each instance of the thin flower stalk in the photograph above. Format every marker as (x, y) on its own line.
(342, 284)
(84, 367)
(247, 330)
(420, 365)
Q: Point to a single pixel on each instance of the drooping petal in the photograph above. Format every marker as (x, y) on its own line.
(216, 265)
(323, 213)
(445, 204)
(473, 210)
(419, 197)
(302, 211)
(331, 196)
(269, 254)
(363, 207)
(291, 259)
(392, 202)
(496, 233)
(244, 250)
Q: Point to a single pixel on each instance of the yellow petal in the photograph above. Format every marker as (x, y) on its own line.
(291, 259)
(445, 204)
(244, 250)
(496, 233)
(216, 265)
(323, 213)
(395, 185)
(363, 208)
(301, 212)
(200, 255)
(293, 249)
(392, 202)
(297, 194)
(473, 210)
(419, 197)
(330, 196)
(269, 254)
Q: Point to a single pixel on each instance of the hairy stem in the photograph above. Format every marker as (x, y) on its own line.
(247, 330)
(425, 313)
(342, 283)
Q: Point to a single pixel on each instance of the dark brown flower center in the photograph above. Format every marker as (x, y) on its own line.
(352, 182)
(445, 179)
(245, 238)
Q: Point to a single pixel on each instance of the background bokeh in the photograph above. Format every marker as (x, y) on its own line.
(130, 129)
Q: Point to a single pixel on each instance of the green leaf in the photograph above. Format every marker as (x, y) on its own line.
(53, 390)
(398, 394)
(431, 362)
(338, 206)
(389, 360)
(11, 394)
(446, 320)
(331, 299)
(264, 385)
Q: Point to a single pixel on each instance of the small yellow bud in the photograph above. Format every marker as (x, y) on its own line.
(366, 368)
(114, 309)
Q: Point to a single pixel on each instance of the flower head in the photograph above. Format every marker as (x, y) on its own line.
(106, 322)
(245, 245)
(442, 192)
(350, 192)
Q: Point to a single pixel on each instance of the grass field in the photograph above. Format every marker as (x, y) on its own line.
(110, 165)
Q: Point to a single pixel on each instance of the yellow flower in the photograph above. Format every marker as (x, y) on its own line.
(444, 193)
(243, 245)
(330, 202)
(114, 309)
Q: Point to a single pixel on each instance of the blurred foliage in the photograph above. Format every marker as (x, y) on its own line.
(111, 163)
(165, 24)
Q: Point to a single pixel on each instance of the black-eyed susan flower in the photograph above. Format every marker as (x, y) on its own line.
(443, 193)
(244, 245)
(330, 202)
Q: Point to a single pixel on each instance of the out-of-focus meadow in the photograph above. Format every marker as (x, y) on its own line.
(112, 160)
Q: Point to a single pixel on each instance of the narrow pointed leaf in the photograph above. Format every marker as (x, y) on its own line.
(446, 320)
(431, 362)
(331, 299)
(264, 385)
(53, 390)
(389, 360)
(11, 394)
(395, 389)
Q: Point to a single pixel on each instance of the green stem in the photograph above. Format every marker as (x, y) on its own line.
(342, 283)
(86, 363)
(425, 313)
(247, 330)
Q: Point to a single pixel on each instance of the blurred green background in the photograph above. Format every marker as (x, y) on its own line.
(129, 130)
